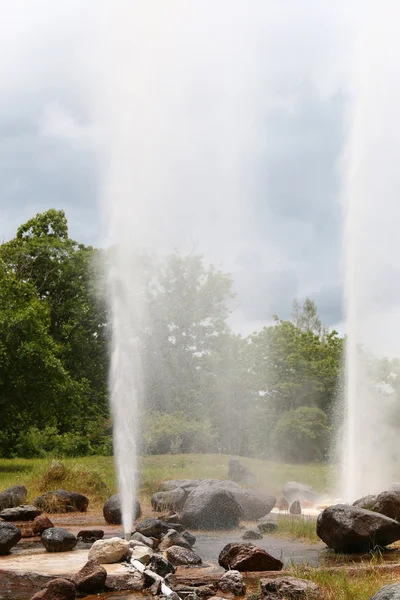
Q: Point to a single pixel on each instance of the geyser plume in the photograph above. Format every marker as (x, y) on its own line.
(181, 110)
(370, 449)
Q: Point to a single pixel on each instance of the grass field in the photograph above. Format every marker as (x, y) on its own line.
(85, 473)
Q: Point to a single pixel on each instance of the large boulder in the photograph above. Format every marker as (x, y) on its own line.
(171, 500)
(177, 555)
(112, 510)
(240, 473)
(57, 589)
(347, 528)
(9, 536)
(388, 592)
(109, 551)
(299, 491)
(20, 513)
(91, 578)
(387, 503)
(289, 587)
(57, 539)
(13, 496)
(210, 507)
(247, 557)
(62, 501)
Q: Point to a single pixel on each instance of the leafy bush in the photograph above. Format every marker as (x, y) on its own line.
(302, 435)
(176, 434)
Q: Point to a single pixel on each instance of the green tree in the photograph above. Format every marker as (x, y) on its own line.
(302, 435)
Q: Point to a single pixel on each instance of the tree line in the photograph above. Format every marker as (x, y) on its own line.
(205, 388)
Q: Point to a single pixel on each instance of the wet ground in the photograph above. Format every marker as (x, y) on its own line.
(29, 566)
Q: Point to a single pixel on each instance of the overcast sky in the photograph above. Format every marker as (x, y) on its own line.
(238, 127)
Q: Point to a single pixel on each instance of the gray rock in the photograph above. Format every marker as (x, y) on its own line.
(20, 513)
(247, 557)
(57, 539)
(177, 555)
(387, 503)
(347, 528)
(189, 538)
(112, 510)
(240, 473)
(13, 496)
(232, 581)
(57, 589)
(160, 565)
(209, 507)
(109, 551)
(62, 501)
(388, 592)
(91, 578)
(9, 537)
(295, 508)
(252, 534)
(172, 538)
(147, 541)
(298, 491)
(289, 587)
(153, 528)
(366, 502)
(170, 500)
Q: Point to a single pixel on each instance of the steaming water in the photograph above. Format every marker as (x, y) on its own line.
(370, 455)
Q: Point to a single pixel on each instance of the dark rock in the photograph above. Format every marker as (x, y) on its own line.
(289, 587)
(20, 513)
(247, 557)
(387, 503)
(89, 536)
(295, 508)
(160, 565)
(240, 473)
(172, 538)
(13, 496)
(131, 581)
(171, 500)
(298, 491)
(232, 581)
(182, 556)
(57, 589)
(40, 524)
(57, 539)
(267, 527)
(366, 502)
(112, 510)
(62, 501)
(153, 528)
(190, 538)
(209, 507)
(252, 534)
(9, 536)
(388, 592)
(91, 578)
(205, 591)
(347, 528)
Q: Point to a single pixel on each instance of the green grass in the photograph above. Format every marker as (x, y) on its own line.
(271, 476)
(302, 528)
(343, 585)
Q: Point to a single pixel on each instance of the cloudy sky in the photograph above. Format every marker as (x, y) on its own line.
(215, 126)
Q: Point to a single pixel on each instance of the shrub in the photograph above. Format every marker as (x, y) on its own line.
(176, 434)
(302, 435)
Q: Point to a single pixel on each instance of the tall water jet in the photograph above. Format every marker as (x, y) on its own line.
(370, 455)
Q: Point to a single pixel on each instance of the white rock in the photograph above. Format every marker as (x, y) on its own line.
(109, 551)
(232, 581)
(141, 553)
